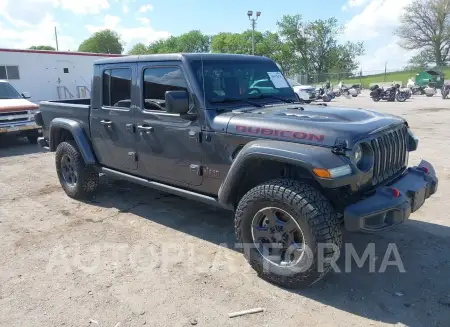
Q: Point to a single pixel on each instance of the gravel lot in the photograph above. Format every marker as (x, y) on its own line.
(78, 264)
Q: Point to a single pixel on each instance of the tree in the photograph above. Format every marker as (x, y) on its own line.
(266, 44)
(421, 60)
(42, 47)
(314, 46)
(193, 41)
(138, 49)
(425, 26)
(105, 41)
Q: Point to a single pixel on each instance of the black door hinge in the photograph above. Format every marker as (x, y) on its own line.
(339, 147)
(193, 134)
(196, 169)
(131, 128)
(133, 156)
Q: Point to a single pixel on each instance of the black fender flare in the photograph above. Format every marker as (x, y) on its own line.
(79, 135)
(305, 156)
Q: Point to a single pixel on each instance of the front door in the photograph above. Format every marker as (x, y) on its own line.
(167, 144)
(112, 118)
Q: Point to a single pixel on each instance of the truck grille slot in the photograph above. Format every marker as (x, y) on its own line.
(390, 151)
(14, 120)
(16, 113)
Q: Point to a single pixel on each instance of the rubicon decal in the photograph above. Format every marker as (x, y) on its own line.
(279, 133)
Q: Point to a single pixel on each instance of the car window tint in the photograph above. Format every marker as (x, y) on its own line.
(117, 88)
(157, 81)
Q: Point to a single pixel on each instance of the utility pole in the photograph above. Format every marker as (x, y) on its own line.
(253, 22)
(385, 70)
(56, 39)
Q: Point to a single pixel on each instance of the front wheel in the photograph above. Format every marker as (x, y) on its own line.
(376, 98)
(79, 181)
(289, 232)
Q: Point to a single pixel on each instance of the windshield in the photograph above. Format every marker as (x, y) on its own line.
(8, 92)
(237, 81)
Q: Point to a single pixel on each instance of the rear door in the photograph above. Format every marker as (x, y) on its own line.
(112, 117)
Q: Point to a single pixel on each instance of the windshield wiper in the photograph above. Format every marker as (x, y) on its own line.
(230, 99)
(264, 96)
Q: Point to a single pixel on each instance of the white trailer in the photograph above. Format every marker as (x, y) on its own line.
(49, 75)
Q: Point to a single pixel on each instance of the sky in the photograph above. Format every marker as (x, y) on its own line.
(24, 23)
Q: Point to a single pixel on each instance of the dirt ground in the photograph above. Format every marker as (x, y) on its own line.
(136, 257)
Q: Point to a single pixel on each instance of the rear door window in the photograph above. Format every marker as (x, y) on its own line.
(117, 88)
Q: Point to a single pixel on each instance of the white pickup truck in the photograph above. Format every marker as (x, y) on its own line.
(17, 113)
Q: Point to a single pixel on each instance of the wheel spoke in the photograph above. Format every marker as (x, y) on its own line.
(261, 233)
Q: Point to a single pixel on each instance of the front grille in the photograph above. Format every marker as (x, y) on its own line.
(14, 120)
(390, 154)
(15, 113)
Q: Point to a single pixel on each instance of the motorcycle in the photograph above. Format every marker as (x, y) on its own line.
(355, 90)
(325, 95)
(445, 91)
(391, 93)
(418, 90)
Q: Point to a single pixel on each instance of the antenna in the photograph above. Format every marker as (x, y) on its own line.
(56, 39)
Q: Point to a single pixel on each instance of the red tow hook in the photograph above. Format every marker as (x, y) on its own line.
(395, 192)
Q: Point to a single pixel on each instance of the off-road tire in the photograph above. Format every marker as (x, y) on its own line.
(313, 213)
(87, 179)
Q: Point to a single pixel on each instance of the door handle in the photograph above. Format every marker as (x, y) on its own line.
(106, 122)
(145, 129)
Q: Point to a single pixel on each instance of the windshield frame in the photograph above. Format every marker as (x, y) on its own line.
(201, 64)
(8, 85)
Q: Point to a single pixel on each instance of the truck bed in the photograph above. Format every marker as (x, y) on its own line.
(76, 109)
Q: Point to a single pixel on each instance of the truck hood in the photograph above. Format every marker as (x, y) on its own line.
(318, 125)
(11, 105)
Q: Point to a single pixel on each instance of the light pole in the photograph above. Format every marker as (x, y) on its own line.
(253, 20)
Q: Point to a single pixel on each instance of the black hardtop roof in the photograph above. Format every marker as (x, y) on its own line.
(179, 56)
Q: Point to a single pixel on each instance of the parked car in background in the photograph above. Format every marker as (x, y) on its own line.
(17, 113)
(306, 93)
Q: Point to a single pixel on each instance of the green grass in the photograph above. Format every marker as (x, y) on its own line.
(394, 76)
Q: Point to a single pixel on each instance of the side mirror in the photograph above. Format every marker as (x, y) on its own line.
(26, 95)
(177, 102)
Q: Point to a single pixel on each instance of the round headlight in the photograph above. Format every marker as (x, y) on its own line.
(363, 156)
(357, 154)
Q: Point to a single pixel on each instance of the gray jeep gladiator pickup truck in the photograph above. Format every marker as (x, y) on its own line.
(195, 125)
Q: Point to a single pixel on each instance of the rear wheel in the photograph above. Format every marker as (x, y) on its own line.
(289, 232)
(79, 181)
(401, 97)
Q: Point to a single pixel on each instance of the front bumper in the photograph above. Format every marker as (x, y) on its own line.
(392, 204)
(19, 127)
